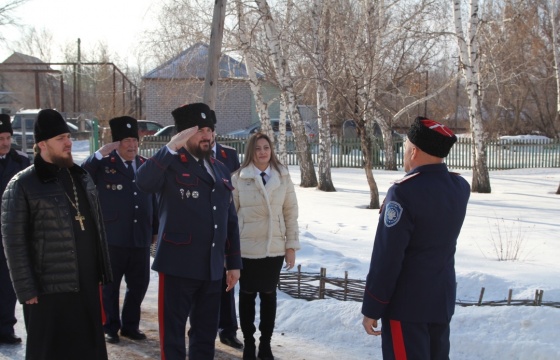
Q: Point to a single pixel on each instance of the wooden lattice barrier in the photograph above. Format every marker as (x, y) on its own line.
(313, 286)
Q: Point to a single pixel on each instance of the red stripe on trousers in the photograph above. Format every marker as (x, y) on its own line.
(398, 340)
(103, 316)
(160, 313)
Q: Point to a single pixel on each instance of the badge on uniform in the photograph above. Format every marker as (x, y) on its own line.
(195, 194)
(393, 212)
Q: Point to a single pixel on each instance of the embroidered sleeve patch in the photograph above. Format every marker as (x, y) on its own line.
(393, 212)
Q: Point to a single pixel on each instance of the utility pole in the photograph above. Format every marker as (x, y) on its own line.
(214, 54)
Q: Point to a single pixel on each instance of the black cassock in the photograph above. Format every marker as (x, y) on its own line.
(68, 325)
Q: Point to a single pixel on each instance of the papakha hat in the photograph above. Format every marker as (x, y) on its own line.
(431, 137)
(6, 124)
(124, 127)
(197, 114)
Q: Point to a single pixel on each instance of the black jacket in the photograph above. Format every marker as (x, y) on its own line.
(38, 235)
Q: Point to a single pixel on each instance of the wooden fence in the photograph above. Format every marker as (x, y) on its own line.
(313, 286)
(501, 154)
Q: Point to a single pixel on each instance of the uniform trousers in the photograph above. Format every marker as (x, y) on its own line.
(7, 297)
(177, 299)
(134, 265)
(228, 317)
(414, 341)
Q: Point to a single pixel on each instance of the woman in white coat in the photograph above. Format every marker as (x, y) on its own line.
(267, 209)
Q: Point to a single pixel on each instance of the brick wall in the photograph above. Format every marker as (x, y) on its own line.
(234, 107)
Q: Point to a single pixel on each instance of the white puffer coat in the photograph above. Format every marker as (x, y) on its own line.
(267, 215)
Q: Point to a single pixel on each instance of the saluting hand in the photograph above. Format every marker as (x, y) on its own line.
(180, 139)
(107, 148)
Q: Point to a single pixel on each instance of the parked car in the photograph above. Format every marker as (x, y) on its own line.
(25, 118)
(167, 131)
(88, 124)
(147, 127)
(253, 128)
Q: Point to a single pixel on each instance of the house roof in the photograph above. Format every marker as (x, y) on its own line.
(18, 57)
(192, 64)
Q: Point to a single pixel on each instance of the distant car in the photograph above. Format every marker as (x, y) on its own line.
(17, 142)
(88, 124)
(255, 127)
(147, 127)
(25, 118)
(167, 131)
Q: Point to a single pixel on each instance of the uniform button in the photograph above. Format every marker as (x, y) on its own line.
(214, 208)
(136, 207)
(135, 193)
(213, 190)
(213, 244)
(215, 226)
(135, 220)
(133, 181)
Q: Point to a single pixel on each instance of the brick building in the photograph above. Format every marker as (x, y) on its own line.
(181, 80)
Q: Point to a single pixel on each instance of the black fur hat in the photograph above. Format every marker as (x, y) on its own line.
(124, 127)
(431, 137)
(197, 114)
(49, 124)
(6, 124)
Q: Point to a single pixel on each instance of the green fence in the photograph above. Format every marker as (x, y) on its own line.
(501, 154)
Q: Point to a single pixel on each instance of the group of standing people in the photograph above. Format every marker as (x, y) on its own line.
(71, 234)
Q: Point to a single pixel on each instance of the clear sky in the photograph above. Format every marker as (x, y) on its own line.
(119, 23)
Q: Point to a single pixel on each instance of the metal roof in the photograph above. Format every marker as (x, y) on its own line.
(192, 64)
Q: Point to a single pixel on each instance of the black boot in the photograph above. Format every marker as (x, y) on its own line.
(266, 326)
(247, 322)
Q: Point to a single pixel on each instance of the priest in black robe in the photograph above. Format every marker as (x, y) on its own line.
(56, 248)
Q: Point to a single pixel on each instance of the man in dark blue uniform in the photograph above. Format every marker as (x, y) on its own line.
(198, 233)
(11, 162)
(131, 224)
(227, 325)
(411, 281)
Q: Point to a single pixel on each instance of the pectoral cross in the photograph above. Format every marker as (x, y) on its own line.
(81, 219)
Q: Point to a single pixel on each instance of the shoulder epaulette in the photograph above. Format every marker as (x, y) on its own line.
(21, 153)
(455, 173)
(406, 178)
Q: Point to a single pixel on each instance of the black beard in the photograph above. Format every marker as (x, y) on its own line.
(199, 153)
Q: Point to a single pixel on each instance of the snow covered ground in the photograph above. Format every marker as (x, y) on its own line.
(337, 233)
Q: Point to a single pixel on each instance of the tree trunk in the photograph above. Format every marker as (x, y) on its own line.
(320, 17)
(470, 64)
(214, 54)
(308, 177)
(367, 147)
(254, 83)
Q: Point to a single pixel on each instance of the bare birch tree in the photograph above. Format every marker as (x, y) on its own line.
(321, 21)
(245, 37)
(470, 65)
(308, 177)
(552, 12)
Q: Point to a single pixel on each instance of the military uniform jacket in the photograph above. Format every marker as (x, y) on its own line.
(197, 219)
(412, 270)
(129, 214)
(228, 156)
(14, 163)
